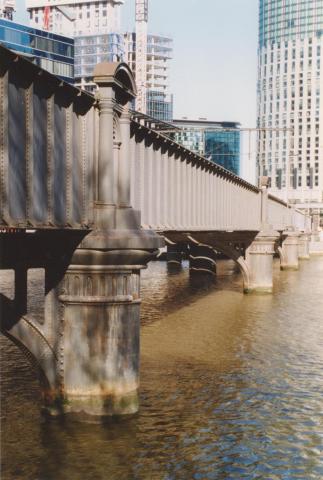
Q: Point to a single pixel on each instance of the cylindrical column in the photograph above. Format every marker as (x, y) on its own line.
(264, 206)
(106, 174)
(124, 161)
(259, 259)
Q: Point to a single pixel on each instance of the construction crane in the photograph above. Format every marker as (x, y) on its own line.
(141, 54)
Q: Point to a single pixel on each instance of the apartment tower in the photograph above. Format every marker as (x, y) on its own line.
(290, 99)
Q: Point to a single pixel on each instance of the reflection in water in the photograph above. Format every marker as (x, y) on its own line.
(231, 388)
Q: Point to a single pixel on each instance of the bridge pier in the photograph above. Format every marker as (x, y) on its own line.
(304, 246)
(289, 250)
(259, 260)
(174, 254)
(100, 293)
(202, 259)
(99, 350)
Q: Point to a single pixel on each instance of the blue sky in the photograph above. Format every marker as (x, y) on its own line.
(214, 70)
(213, 73)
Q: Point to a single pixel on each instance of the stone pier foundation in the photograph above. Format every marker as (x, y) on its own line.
(289, 250)
(99, 344)
(259, 261)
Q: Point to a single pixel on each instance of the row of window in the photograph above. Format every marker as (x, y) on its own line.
(37, 42)
(57, 68)
(272, 58)
(292, 67)
(280, 182)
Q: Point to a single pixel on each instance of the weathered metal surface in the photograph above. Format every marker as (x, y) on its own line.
(49, 141)
(46, 148)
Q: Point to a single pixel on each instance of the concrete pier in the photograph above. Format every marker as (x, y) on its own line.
(259, 260)
(304, 246)
(289, 251)
(99, 349)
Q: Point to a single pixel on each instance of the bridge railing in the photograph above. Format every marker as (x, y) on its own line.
(47, 148)
(281, 215)
(176, 189)
(302, 221)
(49, 173)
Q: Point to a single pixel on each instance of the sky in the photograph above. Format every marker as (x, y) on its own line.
(214, 66)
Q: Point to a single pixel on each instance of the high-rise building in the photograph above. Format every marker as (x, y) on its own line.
(148, 56)
(290, 98)
(75, 17)
(54, 53)
(153, 86)
(93, 49)
(218, 141)
(95, 25)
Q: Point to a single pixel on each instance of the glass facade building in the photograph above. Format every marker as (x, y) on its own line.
(54, 53)
(217, 141)
(223, 147)
(284, 20)
(159, 105)
(93, 49)
(290, 109)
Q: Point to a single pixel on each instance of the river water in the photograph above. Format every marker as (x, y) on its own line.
(231, 388)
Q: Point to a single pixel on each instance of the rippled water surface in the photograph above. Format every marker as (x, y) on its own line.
(231, 388)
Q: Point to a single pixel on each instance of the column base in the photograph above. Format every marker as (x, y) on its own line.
(289, 267)
(94, 407)
(261, 290)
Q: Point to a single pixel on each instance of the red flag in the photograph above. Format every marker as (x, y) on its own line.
(46, 17)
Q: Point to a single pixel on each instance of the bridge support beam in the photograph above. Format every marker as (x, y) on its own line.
(289, 250)
(304, 246)
(202, 259)
(259, 259)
